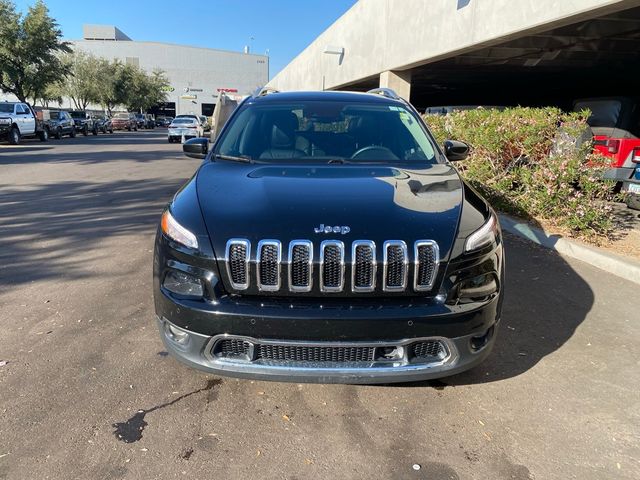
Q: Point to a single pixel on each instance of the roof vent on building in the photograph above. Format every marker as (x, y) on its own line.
(103, 32)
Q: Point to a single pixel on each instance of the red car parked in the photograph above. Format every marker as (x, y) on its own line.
(615, 123)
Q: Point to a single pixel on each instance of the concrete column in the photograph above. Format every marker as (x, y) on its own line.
(399, 81)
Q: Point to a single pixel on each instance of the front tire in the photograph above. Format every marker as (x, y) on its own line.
(44, 135)
(58, 134)
(73, 133)
(95, 130)
(14, 136)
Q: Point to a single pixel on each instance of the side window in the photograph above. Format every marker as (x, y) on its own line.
(20, 110)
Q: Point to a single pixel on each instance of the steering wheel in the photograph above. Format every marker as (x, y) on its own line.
(374, 152)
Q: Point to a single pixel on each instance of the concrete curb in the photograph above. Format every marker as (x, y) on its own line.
(615, 264)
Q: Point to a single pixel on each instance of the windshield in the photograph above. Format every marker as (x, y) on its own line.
(78, 115)
(189, 121)
(319, 131)
(6, 107)
(122, 115)
(604, 113)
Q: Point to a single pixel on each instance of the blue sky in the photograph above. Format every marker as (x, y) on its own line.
(284, 27)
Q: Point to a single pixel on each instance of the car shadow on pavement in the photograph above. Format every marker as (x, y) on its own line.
(54, 230)
(103, 150)
(545, 301)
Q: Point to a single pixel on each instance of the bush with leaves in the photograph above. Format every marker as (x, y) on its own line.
(536, 163)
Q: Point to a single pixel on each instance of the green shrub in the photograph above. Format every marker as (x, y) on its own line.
(536, 163)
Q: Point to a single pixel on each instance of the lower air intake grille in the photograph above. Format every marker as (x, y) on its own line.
(430, 349)
(297, 353)
(232, 347)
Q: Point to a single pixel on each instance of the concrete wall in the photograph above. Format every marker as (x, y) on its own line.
(382, 35)
(192, 71)
(200, 70)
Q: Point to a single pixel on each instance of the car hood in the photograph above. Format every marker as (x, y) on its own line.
(287, 202)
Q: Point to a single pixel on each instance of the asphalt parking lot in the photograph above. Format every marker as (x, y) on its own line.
(87, 391)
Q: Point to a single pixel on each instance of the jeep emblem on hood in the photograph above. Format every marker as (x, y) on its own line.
(328, 229)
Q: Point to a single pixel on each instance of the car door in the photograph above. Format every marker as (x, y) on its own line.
(66, 122)
(29, 120)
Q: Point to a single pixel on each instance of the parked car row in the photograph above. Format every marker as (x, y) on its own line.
(20, 120)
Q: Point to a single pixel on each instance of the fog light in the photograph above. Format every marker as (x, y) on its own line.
(479, 342)
(183, 284)
(176, 334)
(480, 286)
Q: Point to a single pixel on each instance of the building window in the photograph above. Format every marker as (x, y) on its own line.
(208, 108)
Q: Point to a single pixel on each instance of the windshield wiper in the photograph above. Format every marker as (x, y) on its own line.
(233, 158)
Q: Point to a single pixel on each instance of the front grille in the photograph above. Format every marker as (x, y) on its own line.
(426, 258)
(364, 266)
(300, 265)
(332, 268)
(428, 349)
(238, 251)
(328, 272)
(395, 265)
(299, 353)
(268, 261)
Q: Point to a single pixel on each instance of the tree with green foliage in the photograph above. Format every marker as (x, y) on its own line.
(82, 83)
(129, 86)
(29, 50)
(146, 90)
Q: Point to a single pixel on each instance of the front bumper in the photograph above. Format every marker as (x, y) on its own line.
(459, 354)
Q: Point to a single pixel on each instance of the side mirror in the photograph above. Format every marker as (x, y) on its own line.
(455, 150)
(196, 147)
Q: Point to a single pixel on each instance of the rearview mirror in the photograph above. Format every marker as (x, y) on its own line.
(455, 150)
(196, 147)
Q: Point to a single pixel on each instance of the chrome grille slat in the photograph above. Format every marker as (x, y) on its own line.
(268, 260)
(426, 257)
(395, 264)
(237, 254)
(300, 266)
(363, 270)
(331, 266)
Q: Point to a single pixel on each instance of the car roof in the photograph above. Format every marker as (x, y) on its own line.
(326, 96)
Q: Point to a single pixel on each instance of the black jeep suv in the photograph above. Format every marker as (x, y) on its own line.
(327, 238)
(84, 122)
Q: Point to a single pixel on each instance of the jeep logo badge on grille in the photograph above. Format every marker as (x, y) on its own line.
(329, 229)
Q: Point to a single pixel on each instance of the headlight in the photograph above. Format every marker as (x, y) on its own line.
(485, 235)
(172, 229)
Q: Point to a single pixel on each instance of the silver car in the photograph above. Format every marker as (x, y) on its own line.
(183, 128)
